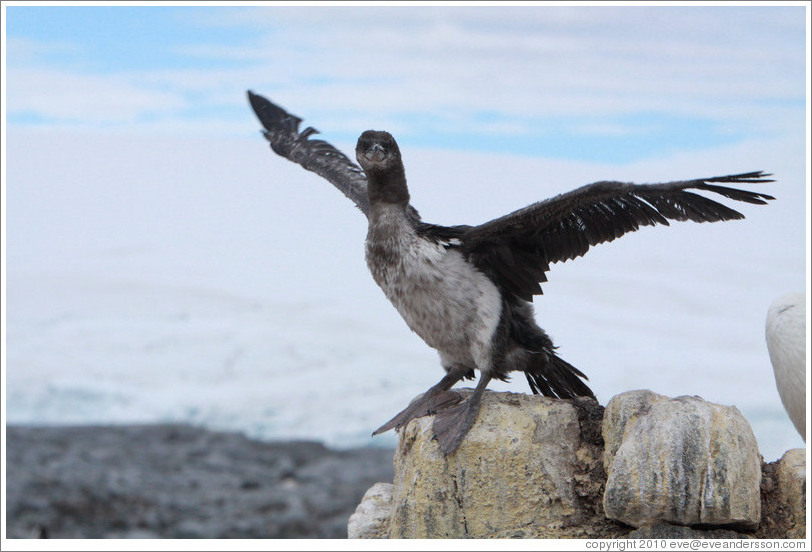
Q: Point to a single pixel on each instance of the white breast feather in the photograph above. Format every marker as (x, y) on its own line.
(786, 343)
(452, 306)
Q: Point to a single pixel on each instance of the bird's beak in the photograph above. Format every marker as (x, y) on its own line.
(375, 153)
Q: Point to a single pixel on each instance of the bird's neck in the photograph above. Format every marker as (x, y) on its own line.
(387, 186)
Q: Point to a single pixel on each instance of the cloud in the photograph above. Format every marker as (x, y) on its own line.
(432, 70)
(86, 99)
(720, 64)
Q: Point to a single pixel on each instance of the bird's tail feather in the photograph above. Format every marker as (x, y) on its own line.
(552, 376)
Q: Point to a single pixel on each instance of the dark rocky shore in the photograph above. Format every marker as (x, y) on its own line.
(175, 481)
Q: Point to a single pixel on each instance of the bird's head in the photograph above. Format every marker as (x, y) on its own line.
(377, 149)
(379, 156)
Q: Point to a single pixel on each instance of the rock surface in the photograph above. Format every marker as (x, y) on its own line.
(630, 406)
(180, 482)
(533, 467)
(372, 517)
(791, 474)
(527, 469)
(664, 530)
(681, 460)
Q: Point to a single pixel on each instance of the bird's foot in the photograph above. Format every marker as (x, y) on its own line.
(431, 402)
(452, 424)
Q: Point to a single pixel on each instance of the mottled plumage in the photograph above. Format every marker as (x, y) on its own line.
(466, 290)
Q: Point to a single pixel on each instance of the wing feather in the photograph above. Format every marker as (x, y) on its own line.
(516, 250)
(318, 156)
(566, 226)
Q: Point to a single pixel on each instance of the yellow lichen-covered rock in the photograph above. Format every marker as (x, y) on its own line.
(683, 461)
(792, 488)
(518, 473)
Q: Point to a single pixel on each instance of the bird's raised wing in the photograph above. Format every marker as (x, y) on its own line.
(282, 131)
(517, 249)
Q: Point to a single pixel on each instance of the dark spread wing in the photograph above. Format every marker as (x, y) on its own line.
(282, 131)
(517, 249)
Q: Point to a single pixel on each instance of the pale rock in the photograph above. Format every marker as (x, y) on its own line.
(533, 467)
(523, 470)
(372, 516)
(792, 488)
(622, 409)
(683, 460)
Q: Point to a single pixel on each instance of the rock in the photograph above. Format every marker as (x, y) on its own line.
(175, 481)
(664, 530)
(533, 467)
(526, 469)
(628, 406)
(792, 489)
(682, 460)
(371, 518)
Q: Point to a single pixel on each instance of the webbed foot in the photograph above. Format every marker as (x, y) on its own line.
(452, 424)
(431, 402)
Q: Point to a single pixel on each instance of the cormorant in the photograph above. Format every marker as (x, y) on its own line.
(467, 290)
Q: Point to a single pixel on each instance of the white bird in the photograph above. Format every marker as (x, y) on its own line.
(786, 342)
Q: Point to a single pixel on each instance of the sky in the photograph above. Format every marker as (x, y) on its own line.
(147, 222)
(607, 84)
